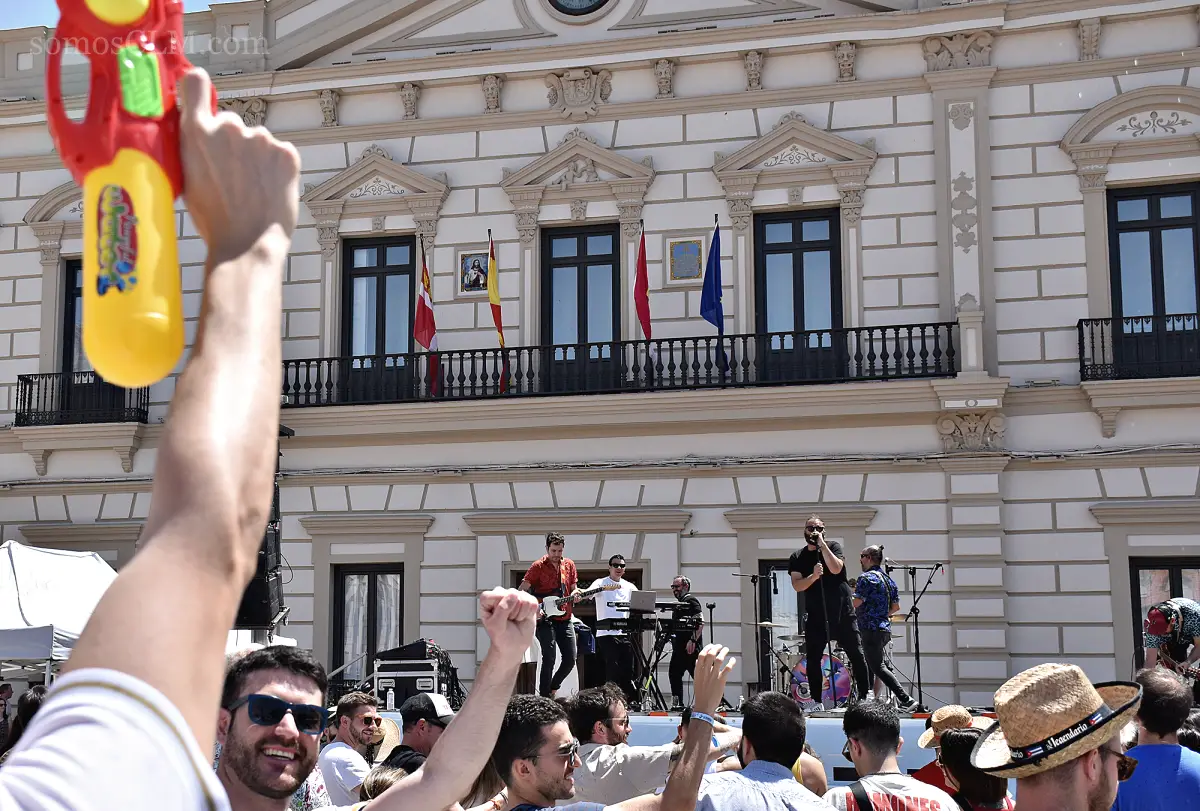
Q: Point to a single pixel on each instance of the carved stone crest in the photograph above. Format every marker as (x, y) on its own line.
(965, 217)
(958, 51)
(253, 111)
(844, 53)
(664, 74)
(579, 210)
(578, 92)
(378, 222)
(492, 85)
(329, 107)
(1089, 39)
(972, 431)
(960, 115)
(410, 94)
(753, 60)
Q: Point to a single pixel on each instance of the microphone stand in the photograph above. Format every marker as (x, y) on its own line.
(712, 638)
(915, 613)
(758, 657)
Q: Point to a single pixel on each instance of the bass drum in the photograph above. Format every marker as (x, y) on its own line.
(837, 682)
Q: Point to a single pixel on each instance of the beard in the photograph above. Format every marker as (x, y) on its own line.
(258, 773)
(1104, 794)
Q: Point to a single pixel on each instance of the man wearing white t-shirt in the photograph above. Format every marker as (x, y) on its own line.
(344, 761)
(129, 726)
(614, 647)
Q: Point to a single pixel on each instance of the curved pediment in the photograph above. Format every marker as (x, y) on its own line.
(376, 184)
(1151, 112)
(63, 202)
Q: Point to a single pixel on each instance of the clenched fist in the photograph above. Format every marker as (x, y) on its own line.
(509, 617)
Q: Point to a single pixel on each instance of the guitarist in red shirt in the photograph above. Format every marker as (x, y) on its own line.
(554, 575)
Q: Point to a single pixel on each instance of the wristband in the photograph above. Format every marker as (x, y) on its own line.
(705, 717)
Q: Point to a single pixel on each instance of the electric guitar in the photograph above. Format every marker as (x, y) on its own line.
(1190, 674)
(556, 606)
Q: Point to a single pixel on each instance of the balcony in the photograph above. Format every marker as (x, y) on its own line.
(907, 352)
(77, 398)
(1139, 348)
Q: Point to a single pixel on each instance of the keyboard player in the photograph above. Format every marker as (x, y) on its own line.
(613, 645)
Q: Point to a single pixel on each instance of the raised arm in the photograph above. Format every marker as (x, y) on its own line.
(165, 619)
(463, 749)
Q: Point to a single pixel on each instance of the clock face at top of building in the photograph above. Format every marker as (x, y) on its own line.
(578, 8)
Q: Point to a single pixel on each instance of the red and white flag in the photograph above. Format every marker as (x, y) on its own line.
(641, 288)
(425, 326)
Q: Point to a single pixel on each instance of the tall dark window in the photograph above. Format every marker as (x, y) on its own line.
(368, 614)
(378, 295)
(1153, 251)
(798, 273)
(1153, 580)
(581, 269)
(73, 357)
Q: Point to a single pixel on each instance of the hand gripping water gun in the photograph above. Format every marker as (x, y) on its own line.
(125, 154)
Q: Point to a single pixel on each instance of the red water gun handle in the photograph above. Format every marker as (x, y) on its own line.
(108, 126)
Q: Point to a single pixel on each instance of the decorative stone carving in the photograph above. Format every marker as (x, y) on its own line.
(374, 151)
(664, 74)
(579, 210)
(1153, 123)
(329, 107)
(852, 203)
(972, 431)
(376, 187)
(307, 188)
(788, 118)
(960, 115)
(580, 170)
(740, 212)
(631, 219)
(1089, 39)
(753, 60)
(967, 303)
(327, 236)
(377, 223)
(844, 53)
(527, 226)
(427, 230)
(959, 51)
(410, 94)
(253, 111)
(1108, 421)
(794, 155)
(576, 134)
(492, 85)
(578, 92)
(49, 236)
(1091, 166)
(795, 195)
(76, 209)
(965, 212)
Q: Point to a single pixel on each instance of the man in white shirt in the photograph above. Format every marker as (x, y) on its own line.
(614, 647)
(129, 725)
(344, 761)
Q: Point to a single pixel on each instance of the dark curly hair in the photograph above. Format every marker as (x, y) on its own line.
(523, 730)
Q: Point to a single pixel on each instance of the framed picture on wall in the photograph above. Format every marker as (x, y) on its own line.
(472, 273)
(685, 260)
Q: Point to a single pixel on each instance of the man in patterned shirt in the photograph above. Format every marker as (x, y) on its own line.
(1171, 628)
(876, 598)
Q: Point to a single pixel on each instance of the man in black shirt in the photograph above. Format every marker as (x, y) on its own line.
(685, 642)
(829, 605)
(425, 717)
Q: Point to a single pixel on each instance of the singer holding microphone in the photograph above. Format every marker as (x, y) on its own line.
(830, 615)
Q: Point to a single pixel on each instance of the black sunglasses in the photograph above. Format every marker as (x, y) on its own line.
(616, 565)
(267, 711)
(1125, 764)
(846, 751)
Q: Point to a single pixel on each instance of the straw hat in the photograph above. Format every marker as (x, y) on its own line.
(1049, 715)
(391, 739)
(952, 716)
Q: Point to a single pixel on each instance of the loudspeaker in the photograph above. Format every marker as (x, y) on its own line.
(270, 558)
(261, 602)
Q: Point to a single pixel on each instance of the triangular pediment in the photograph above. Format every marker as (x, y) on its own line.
(578, 164)
(375, 176)
(466, 23)
(659, 13)
(794, 143)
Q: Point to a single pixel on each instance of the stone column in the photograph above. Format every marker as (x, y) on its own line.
(527, 204)
(49, 236)
(328, 216)
(852, 185)
(630, 197)
(962, 145)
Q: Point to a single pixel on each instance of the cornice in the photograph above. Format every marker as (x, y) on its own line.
(1023, 402)
(982, 463)
(1148, 511)
(63, 532)
(620, 519)
(793, 516)
(1112, 66)
(376, 524)
(960, 78)
(1109, 397)
(968, 391)
(1158, 458)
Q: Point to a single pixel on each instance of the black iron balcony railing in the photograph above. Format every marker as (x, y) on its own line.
(1139, 347)
(76, 398)
(669, 364)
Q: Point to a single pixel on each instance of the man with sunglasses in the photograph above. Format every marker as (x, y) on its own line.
(614, 647)
(344, 761)
(1168, 775)
(270, 720)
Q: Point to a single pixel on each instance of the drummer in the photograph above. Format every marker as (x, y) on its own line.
(876, 598)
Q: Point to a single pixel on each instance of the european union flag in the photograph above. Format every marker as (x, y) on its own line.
(711, 308)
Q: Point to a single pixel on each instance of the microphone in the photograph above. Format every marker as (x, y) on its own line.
(893, 563)
(774, 583)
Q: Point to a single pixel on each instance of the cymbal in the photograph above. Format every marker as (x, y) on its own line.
(898, 618)
(767, 625)
(791, 638)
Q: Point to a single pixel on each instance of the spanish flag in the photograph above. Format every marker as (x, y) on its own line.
(493, 288)
(425, 327)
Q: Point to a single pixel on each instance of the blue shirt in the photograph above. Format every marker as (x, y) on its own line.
(1167, 778)
(761, 786)
(878, 592)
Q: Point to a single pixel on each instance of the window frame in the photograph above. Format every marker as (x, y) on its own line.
(582, 260)
(72, 297)
(1175, 566)
(1155, 225)
(832, 216)
(380, 272)
(766, 612)
(339, 571)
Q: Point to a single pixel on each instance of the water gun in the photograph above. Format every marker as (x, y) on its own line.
(125, 155)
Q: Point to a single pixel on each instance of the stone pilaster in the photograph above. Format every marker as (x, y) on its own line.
(1091, 167)
(328, 216)
(50, 236)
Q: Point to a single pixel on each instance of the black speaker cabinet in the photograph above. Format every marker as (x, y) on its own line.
(261, 602)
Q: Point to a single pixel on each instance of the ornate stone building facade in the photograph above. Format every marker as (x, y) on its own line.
(958, 249)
